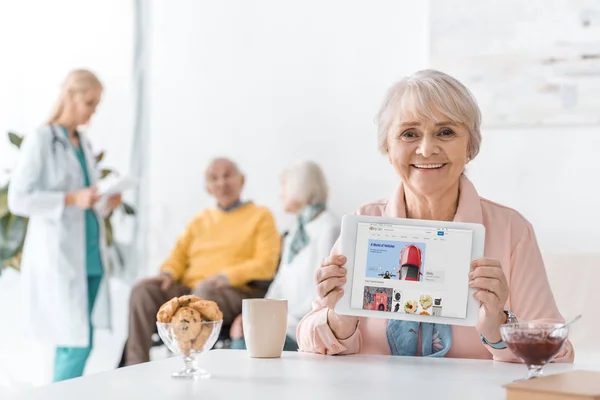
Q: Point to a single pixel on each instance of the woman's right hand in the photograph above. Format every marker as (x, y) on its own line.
(330, 278)
(84, 198)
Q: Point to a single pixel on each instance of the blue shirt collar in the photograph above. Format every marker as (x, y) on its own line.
(233, 207)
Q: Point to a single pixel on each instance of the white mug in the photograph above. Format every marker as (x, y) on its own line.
(265, 324)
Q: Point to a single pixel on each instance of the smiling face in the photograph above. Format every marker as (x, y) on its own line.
(429, 127)
(429, 155)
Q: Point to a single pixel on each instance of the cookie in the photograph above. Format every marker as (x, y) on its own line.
(208, 309)
(186, 324)
(200, 341)
(184, 301)
(167, 310)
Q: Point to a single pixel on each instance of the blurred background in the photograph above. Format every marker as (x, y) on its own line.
(269, 83)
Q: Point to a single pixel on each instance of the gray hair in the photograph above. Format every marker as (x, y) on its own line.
(420, 95)
(305, 183)
(224, 160)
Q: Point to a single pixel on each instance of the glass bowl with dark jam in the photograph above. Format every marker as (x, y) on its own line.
(536, 344)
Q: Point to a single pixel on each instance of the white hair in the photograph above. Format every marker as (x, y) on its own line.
(420, 95)
(305, 183)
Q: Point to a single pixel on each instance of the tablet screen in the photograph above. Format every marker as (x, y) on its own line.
(412, 269)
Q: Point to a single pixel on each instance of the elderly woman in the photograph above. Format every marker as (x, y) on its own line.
(428, 127)
(304, 194)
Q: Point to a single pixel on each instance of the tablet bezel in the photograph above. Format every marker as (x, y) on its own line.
(348, 248)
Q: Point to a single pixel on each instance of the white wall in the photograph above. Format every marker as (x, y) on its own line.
(40, 42)
(269, 83)
(550, 175)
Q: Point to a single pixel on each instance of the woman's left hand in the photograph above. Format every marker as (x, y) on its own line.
(114, 201)
(487, 276)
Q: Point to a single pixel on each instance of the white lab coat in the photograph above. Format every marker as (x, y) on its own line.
(53, 270)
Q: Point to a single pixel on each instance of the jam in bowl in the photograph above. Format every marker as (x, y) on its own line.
(536, 344)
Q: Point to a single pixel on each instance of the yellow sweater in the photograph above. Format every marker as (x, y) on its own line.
(243, 244)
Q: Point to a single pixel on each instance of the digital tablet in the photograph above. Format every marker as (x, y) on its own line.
(410, 269)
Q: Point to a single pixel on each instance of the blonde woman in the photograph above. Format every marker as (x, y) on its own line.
(304, 194)
(64, 256)
(429, 130)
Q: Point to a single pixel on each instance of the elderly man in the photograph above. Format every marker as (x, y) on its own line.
(220, 252)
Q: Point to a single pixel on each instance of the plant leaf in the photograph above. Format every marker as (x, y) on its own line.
(15, 139)
(14, 262)
(109, 231)
(13, 230)
(99, 157)
(105, 172)
(3, 200)
(128, 209)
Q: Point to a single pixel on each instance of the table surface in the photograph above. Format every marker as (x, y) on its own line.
(299, 376)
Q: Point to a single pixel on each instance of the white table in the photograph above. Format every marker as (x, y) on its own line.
(299, 376)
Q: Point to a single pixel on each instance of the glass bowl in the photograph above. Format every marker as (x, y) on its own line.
(536, 344)
(189, 342)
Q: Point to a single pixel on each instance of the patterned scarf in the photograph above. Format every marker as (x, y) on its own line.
(300, 239)
(402, 336)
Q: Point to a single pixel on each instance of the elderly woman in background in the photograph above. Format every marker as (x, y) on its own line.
(428, 127)
(304, 194)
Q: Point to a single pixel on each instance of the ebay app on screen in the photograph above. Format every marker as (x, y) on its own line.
(411, 269)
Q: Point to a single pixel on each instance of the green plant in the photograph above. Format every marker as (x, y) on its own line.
(14, 228)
